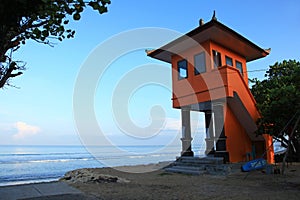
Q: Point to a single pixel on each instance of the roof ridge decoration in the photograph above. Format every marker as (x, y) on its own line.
(214, 16)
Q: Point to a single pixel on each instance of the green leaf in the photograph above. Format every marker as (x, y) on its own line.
(45, 33)
(94, 5)
(106, 1)
(36, 32)
(76, 16)
(102, 9)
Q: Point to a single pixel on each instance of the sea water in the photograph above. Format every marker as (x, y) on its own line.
(28, 164)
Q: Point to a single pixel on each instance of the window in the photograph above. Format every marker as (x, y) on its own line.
(182, 69)
(217, 58)
(228, 61)
(239, 66)
(199, 63)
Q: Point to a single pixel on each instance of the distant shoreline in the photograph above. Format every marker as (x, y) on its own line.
(28, 164)
(148, 167)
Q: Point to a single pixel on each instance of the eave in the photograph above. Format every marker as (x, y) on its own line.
(213, 31)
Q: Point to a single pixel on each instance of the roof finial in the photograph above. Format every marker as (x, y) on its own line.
(214, 16)
(201, 22)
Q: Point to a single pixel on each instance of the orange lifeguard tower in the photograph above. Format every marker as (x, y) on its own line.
(209, 75)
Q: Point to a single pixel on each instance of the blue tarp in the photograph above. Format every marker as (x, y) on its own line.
(254, 165)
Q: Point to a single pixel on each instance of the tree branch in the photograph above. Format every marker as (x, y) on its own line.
(17, 74)
(8, 74)
(31, 25)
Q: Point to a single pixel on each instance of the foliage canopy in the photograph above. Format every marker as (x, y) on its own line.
(278, 97)
(39, 20)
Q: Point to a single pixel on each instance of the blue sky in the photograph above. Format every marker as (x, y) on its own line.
(41, 111)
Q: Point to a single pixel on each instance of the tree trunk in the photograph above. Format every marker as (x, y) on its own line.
(288, 147)
(9, 74)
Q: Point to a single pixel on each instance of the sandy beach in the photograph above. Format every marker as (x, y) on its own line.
(163, 185)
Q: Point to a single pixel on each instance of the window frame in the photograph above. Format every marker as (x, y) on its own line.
(196, 71)
(218, 55)
(227, 58)
(178, 69)
(240, 69)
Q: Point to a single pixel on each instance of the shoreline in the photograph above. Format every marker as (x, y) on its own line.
(120, 167)
(33, 164)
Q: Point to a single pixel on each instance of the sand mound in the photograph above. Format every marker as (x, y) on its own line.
(91, 176)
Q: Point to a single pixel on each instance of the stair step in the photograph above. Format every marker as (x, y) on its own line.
(198, 160)
(200, 165)
(189, 164)
(185, 171)
(194, 168)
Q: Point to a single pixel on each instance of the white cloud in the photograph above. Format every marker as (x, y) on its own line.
(25, 130)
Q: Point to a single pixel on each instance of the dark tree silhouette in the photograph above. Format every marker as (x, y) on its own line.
(278, 99)
(40, 20)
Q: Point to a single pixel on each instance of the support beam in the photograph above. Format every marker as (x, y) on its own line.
(218, 110)
(220, 137)
(209, 127)
(186, 133)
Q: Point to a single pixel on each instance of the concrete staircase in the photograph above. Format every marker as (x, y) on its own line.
(201, 165)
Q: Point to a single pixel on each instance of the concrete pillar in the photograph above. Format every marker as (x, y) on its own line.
(186, 133)
(210, 132)
(218, 110)
(220, 137)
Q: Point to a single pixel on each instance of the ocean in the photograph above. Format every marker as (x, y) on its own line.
(29, 164)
